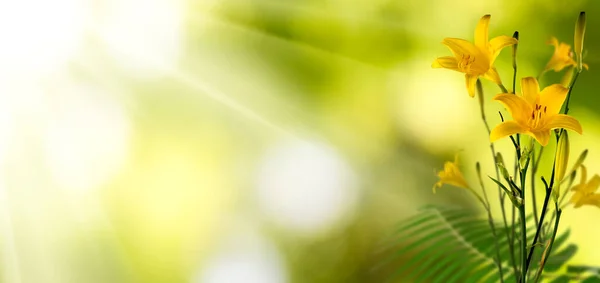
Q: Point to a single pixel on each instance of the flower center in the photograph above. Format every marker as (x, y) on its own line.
(537, 115)
(465, 62)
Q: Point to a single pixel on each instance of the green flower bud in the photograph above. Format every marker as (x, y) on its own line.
(579, 35)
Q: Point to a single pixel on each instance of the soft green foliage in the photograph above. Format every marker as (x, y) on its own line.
(456, 245)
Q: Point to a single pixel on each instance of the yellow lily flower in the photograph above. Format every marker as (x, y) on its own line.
(584, 192)
(451, 175)
(562, 57)
(475, 60)
(534, 113)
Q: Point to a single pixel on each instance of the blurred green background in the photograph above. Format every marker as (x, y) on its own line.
(249, 140)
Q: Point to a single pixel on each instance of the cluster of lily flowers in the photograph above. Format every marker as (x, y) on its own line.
(535, 113)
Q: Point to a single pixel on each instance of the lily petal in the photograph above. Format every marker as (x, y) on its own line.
(460, 47)
(576, 199)
(447, 62)
(481, 32)
(593, 199)
(530, 89)
(492, 75)
(556, 64)
(451, 175)
(471, 80)
(578, 187)
(439, 184)
(553, 97)
(518, 107)
(542, 137)
(498, 43)
(561, 58)
(592, 185)
(553, 41)
(581, 185)
(563, 121)
(506, 128)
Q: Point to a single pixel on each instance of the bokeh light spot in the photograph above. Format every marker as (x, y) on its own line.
(305, 186)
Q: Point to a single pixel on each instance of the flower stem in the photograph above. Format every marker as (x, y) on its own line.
(535, 162)
(533, 198)
(501, 193)
(543, 214)
(503, 88)
(571, 89)
(549, 251)
(539, 226)
(523, 243)
(523, 224)
(491, 223)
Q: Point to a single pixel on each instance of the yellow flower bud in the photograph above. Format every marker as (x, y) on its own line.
(579, 35)
(561, 161)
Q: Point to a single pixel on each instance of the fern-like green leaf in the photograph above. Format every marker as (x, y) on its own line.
(456, 245)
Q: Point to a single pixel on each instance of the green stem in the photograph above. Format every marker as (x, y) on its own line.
(509, 235)
(539, 225)
(513, 231)
(491, 223)
(549, 251)
(537, 162)
(503, 88)
(523, 224)
(523, 243)
(501, 193)
(533, 198)
(570, 90)
(512, 223)
(539, 76)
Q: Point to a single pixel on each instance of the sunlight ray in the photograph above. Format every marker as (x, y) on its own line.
(191, 81)
(361, 18)
(297, 44)
(224, 99)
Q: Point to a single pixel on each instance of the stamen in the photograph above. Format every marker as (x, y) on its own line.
(465, 62)
(537, 115)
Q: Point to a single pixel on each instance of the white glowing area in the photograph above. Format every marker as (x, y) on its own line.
(40, 36)
(305, 186)
(246, 257)
(86, 137)
(143, 35)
